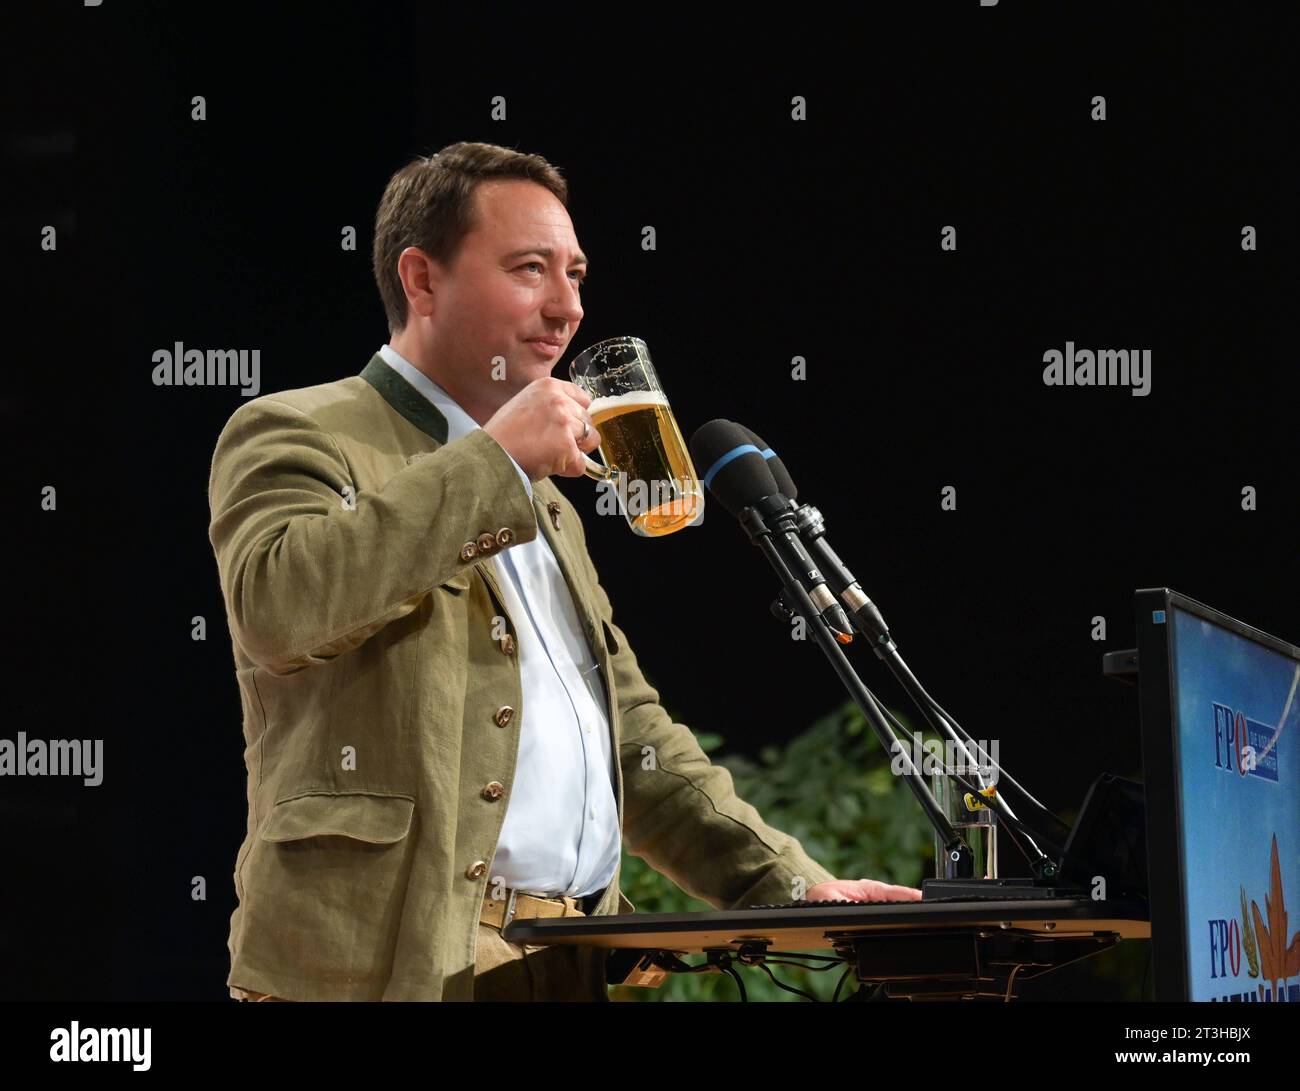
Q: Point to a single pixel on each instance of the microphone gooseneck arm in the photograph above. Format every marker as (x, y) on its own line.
(863, 615)
(867, 619)
(753, 521)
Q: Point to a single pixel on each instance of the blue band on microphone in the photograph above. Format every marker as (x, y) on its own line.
(734, 453)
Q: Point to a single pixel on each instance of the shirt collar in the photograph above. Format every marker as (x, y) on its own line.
(459, 423)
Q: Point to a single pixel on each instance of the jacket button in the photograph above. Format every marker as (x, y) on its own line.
(494, 791)
(468, 551)
(505, 536)
(476, 869)
(507, 644)
(503, 716)
(486, 543)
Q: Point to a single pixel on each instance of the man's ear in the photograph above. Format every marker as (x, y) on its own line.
(421, 276)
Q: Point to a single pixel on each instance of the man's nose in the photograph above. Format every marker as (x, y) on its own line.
(565, 304)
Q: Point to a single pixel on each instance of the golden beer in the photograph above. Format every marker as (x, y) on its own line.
(639, 436)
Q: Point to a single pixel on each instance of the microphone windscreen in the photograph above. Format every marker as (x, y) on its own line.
(780, 474)
(733, 470)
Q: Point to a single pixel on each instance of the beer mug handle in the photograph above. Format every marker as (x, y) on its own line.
(597, 472)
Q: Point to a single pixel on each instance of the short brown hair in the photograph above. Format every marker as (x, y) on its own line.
(429, 203)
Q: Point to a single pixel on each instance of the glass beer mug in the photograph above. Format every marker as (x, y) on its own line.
(646, 460)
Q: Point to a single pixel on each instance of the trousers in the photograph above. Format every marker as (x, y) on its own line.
(512, 972)
(506, 972)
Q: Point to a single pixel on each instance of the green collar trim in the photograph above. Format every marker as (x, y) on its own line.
(403, 397)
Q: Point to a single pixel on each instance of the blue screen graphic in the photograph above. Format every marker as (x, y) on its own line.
(1237, 706)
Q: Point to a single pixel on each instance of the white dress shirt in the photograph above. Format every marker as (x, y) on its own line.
(561, 832)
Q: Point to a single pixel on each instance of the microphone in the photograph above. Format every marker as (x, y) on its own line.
(738, 475)
(811, 528)
(780, 474)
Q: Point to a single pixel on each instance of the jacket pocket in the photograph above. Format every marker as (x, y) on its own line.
(362, 816)
(324, 894)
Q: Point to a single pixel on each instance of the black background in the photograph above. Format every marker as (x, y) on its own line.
(775, 239)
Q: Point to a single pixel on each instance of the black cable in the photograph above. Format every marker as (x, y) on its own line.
(835, 960)
(744, 998)
(781, 985)
(843, 978)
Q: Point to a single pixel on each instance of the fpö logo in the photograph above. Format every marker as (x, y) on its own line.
(1245, 746)
(1257, 944)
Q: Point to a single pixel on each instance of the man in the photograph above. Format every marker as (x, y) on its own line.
(444, 726)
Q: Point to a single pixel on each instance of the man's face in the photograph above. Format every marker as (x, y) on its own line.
(515, 278)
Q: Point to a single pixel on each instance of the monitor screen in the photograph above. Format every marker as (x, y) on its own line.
(1235, 710)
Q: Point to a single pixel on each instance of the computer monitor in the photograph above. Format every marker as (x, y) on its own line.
(1220, 709)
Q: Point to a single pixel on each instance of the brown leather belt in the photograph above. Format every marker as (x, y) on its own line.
(521, 906)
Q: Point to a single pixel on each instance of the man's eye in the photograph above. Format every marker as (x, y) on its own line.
(582, 277)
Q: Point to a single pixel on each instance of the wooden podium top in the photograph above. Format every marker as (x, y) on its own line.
(807, 926)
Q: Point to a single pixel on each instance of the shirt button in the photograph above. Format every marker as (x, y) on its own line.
(503, 716)
(588, 727)
(486, 543)
(593, 812)
(507, 644)
(468, 551)
(494, 791)
(505, 536)
(476, 869)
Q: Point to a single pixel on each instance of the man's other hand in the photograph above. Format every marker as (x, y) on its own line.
(861, 890)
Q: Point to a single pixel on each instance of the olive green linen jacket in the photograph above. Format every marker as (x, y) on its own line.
(379, 677)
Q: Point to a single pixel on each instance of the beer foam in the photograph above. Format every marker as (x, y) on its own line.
(635, 399)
